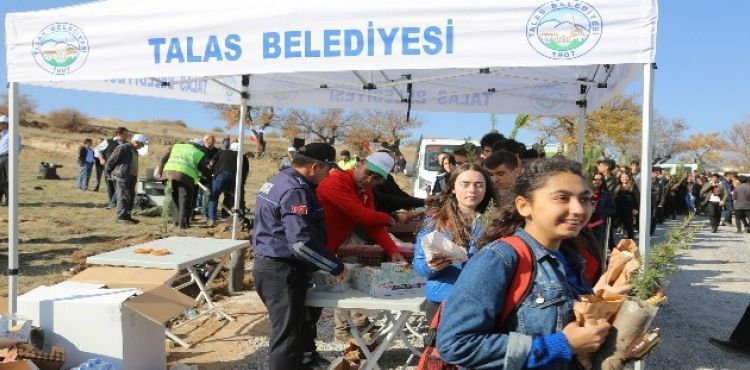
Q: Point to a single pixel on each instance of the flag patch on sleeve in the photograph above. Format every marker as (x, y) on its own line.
(299, 210)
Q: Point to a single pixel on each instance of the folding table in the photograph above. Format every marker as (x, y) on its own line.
(396, 312)
(185, 254)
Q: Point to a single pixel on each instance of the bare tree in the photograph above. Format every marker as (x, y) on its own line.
(327, 125)
(667, 134)
(388, 128)
(26, 106)
(738, 148)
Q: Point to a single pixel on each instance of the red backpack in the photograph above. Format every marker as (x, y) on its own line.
(518, 290)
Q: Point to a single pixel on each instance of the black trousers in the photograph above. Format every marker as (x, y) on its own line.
(714, 214)
(741, 333)
(741, 217)
(626, 218)
(4, 178)
(430, 309)
(99, 168)
(182, 202)
(282, 286)
(111, 193)
(125, 196)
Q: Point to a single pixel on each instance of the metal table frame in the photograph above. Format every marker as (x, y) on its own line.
(186, 253)
(395, 311)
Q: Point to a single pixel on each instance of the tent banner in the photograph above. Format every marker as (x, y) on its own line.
(135, 39)
(551, 91)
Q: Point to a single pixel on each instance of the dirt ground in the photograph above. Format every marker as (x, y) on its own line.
(61, 225)
(221, 344)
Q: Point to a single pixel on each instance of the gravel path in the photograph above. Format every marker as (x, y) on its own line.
(707, 297)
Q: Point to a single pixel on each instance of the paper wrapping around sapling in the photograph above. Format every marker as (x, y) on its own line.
(435, 243)
(593, 307)
(623, 263)
(632, 321)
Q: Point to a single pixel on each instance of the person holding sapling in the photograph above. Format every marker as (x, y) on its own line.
(550, 202)
(467, 196)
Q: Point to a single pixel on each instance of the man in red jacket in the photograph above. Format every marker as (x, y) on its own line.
(348, 202)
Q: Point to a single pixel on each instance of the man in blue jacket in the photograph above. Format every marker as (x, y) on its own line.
(290, 243)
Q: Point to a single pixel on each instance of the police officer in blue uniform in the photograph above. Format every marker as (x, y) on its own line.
(290, 243)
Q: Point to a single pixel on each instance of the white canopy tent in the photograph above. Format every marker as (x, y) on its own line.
(554, 57)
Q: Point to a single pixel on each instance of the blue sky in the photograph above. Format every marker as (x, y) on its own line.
(702, 77)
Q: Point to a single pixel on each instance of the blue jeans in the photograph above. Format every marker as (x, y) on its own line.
(726, 214)
(690, 200)
(84, 174)
(223, 183)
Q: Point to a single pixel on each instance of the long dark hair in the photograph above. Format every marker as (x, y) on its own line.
(532, 177)
(448, 217)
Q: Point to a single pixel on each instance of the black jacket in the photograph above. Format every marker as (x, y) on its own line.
(226, 161)
(118, 163)
(390, 198)
(82, 154)
(441, 183)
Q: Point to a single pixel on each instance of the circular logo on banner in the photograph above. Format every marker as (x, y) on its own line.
(564, 29)
(547, 98)
(60, 48)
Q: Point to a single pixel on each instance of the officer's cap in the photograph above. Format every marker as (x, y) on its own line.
(320, 151)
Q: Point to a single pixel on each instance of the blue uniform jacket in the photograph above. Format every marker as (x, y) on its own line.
(289, 223)
(440, 283)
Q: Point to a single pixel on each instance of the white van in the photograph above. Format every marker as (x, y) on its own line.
(426, 166)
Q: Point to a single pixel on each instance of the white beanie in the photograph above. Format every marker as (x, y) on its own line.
(140, 138)
(234, 147)
(380, 163)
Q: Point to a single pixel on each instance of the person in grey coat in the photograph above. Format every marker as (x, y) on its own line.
(742, 204)
(122, 169)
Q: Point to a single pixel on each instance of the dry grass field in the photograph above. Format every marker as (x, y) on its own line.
(60, 225)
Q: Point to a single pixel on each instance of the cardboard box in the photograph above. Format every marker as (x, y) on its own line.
(371, 254)
(116, 314)
(12, 333)
(379, 283)
(18, 365)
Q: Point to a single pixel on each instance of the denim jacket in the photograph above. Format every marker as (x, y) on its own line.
(469, 336)
(440, 283)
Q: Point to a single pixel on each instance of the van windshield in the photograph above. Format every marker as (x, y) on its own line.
(431, 152)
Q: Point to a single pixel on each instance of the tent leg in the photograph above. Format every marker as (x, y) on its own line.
(237, 262)
(12, 194)
(644, 220)
(644, 224)
(580, 133)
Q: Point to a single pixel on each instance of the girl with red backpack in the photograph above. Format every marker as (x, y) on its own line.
(551, 202)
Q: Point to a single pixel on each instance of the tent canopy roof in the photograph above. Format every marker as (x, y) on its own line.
(483, 56)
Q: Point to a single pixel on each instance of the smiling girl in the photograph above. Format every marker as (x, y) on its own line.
(551, 202)
(466, 197)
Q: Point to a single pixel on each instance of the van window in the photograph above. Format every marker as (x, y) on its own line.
(431, 152)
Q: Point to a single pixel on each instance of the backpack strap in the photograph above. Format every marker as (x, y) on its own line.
(525, 272)
(517, 291)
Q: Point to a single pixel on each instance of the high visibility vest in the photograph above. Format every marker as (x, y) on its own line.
(185, 158)
(347, 165)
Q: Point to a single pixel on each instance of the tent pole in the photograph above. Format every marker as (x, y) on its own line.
(644, 223)
(12, 194)
(644, 218)
(237, 263)
(580, 134)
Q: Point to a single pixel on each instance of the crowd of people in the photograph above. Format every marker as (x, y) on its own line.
(484, 199)
(196, 173)
(309, 210)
